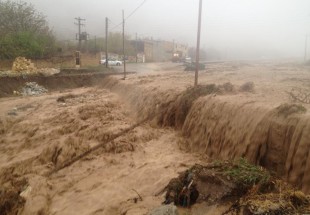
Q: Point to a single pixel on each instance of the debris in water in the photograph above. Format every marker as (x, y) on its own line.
(10, 200)
(12, 113)
(247, 87)
(251, 188)
(165, 210)
(288, 109)
(300, 95)
(213, 182)
(227, 87)
(32, 88)
(64, 98)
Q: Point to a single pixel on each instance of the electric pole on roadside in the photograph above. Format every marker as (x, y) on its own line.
(136, 48)
(198, 43)
(79, 24)
(106, 41)
(96, 46)
(124, 58)
(306, 48)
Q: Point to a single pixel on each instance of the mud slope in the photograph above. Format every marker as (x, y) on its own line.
(224, 128)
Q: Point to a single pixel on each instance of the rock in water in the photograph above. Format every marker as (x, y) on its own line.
(165, 210)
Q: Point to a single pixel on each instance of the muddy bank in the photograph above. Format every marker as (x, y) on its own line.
(10, 84)
(274, 137)
(65, 79)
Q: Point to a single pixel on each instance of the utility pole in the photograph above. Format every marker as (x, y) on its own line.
(136, 48)
(306, 48)
(124, 46)
(106, 41)
(79, 24)
(198, 43)
(96, 46)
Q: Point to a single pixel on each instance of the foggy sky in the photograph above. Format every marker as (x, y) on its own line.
(244, 28)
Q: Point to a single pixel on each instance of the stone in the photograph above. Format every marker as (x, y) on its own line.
(32, 88)
(22, 64)
(165, 210)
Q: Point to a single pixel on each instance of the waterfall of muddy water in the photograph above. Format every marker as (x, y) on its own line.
(278, 142)
(225, 129)
(39, 134)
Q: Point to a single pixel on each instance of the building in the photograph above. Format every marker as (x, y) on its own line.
(159, 50)
(180, 50)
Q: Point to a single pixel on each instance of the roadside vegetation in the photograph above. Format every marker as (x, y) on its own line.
(24, 32)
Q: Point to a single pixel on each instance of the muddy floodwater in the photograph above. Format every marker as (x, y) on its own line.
(255, 110)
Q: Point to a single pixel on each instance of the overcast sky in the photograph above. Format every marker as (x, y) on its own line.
(244, 27)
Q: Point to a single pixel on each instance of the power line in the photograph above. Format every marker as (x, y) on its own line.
(106, 41)
(124, 56)
(115, 25)
(118, 25)
(306, 46)
(111, 21)
(133, 12)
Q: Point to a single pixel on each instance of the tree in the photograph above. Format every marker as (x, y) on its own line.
(24, 31)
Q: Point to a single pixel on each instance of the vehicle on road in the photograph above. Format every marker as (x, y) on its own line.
(111, 62)
(188, 60)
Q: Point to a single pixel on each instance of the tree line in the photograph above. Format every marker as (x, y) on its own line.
(25, 32)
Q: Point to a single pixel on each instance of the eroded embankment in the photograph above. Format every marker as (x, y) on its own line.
(276, 138)
(65, 79)
(10, 84)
